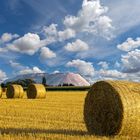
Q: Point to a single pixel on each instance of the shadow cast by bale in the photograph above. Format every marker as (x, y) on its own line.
(42, 131)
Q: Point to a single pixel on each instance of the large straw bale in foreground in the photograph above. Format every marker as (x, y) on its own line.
(113, 107)
(14, 91)
(36, 91)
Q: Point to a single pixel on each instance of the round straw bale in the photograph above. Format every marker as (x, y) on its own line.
(113, 107)
(14, 91)
(36, 91)
(0, 92)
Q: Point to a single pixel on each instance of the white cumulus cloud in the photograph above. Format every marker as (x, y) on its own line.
(117, 64)
(56, 71)
(46, 53)
(50, 30)
(83, 67)
(3, 76)
(66, 34)
(15, 65)
(131, 61)
(54, 35)
(103, 64)
(77, 46)
(111, 74)
(91, 18)
(28, 70)
(6, 37)
(28, 44)
(129, 44)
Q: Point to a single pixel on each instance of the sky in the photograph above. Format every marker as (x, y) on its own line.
(99, 39)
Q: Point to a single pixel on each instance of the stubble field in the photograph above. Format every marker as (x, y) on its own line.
(59, 116)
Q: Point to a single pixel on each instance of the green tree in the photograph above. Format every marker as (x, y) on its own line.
(2, 85)
(44, 81)
(22, 82)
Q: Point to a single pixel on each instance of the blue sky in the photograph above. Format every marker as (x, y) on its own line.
(99, 39)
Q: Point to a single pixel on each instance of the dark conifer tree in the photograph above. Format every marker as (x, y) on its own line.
(44, 81)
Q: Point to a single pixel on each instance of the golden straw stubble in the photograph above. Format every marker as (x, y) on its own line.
(15, 91)
(36, 91)
(113, 107)
(0, 92)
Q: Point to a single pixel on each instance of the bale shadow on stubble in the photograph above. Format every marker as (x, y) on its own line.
(41, 131)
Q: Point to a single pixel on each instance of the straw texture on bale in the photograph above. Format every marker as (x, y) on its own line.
(36, 91)
(0, 92)
(14, 91)
(113, 108)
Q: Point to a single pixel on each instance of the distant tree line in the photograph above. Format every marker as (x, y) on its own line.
(22, 82)
(65, 85)
(27, 82)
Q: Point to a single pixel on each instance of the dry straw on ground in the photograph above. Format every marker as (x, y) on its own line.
(14, 91)
(0, 92)
(113, 107)
(36, 91)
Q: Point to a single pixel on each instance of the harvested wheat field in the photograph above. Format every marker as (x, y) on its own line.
(0, 92)
(58, 117)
